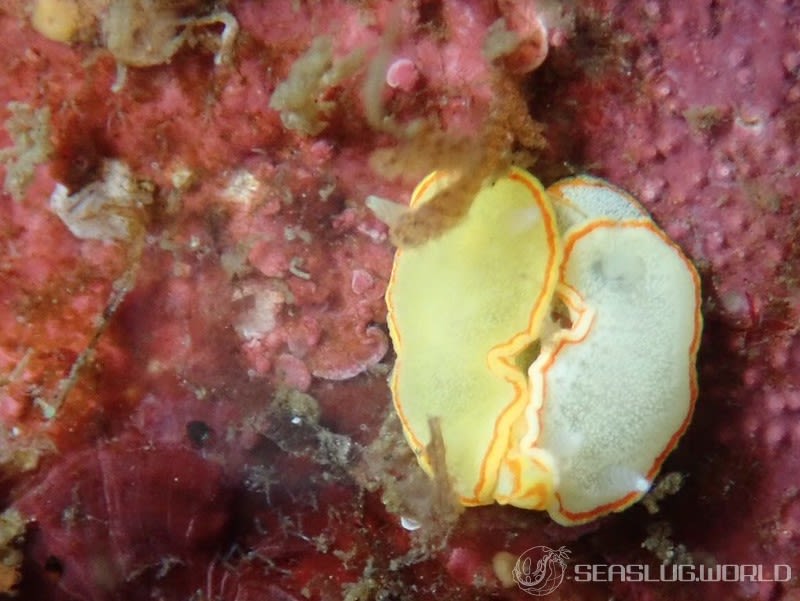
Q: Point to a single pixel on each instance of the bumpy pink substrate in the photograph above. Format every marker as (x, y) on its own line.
(177, 474)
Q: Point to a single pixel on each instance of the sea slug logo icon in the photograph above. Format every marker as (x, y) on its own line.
(540, 570)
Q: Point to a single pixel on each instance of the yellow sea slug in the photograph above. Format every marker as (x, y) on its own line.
(614, 393)
(461, 308)
(583, 198)
(610, 387)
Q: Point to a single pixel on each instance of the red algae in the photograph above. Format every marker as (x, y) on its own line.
(108, 515)
(195, 408)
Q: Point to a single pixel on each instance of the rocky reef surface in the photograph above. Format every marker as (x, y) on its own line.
(193, 347)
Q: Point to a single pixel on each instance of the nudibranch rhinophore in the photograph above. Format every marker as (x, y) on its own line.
(554, 336)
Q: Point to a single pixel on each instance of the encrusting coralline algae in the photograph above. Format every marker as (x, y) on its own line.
(145, 371)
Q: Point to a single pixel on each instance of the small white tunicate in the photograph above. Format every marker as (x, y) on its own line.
(243, 187)
(409, 524)
(106, 209)
(296, 270)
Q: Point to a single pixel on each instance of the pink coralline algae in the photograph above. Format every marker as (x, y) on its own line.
(193, 398)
